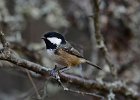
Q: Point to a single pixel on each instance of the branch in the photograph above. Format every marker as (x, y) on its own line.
(117, 87)
(10, 56)
(99, 38)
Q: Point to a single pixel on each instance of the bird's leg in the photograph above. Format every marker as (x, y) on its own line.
(53, 71)
(57, 70)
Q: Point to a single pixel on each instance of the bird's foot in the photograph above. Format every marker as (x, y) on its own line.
(54, 71)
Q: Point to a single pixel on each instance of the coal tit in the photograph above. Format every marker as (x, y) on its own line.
(61, 52)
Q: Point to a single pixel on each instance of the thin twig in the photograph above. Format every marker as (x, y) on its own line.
(34, 86)
(85, 93)
(77, 91)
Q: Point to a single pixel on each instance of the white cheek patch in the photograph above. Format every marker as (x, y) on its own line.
(55, 40)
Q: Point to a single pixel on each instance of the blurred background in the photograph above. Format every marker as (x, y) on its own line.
(25, 21)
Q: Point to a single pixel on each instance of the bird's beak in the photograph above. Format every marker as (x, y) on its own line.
(42, 37)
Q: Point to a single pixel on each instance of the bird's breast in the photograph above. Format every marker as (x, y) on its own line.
(51, 55)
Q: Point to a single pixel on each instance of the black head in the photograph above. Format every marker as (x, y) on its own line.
(53, 40)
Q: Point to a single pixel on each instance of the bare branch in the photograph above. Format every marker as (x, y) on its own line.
(117, 87)
(8, 55)
(99, 38)
(34, 85)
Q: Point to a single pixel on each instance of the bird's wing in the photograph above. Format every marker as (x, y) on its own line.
(69, 49)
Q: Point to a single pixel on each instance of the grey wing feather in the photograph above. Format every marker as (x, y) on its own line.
(68, 48)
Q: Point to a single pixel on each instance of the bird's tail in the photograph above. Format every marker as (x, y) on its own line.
(90, 63)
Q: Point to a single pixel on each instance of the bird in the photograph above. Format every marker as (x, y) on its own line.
(61, 52)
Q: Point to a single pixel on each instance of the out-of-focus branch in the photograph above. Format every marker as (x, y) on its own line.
(117, 87)
(99, 38)
(32, 54)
